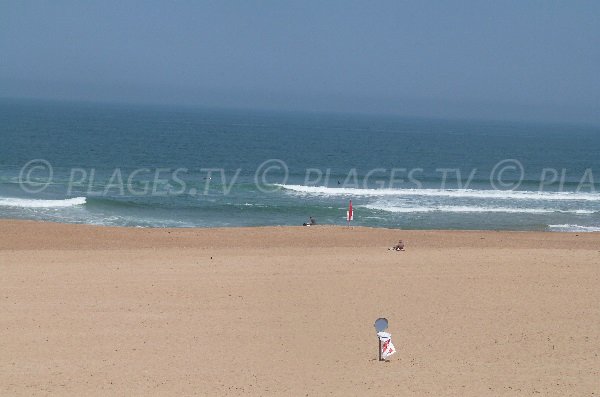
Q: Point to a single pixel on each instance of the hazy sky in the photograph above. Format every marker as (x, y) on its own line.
(493, 59)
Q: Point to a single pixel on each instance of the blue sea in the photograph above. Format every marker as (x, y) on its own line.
(150, 166)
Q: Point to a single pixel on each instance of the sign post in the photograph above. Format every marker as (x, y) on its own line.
(386, 347)
(381, 325)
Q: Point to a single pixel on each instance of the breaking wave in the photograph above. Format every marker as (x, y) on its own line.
(457, 193)
(467, 209)
(573, 228)
(35, 203)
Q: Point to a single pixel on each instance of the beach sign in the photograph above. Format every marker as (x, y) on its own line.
(349, 213)
(386, 347)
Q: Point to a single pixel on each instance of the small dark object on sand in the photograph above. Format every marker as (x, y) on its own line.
(311, 222)
(398, 247)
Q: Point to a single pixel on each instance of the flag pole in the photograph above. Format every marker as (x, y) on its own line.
(380, 359)
(349, 213)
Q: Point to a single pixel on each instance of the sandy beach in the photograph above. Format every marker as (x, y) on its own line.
(91, 310)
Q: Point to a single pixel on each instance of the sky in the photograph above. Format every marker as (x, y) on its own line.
(530, 60)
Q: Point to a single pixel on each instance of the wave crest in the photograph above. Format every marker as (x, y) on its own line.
(472, 209)
(573, 228)
(457, 193)
(37, 203)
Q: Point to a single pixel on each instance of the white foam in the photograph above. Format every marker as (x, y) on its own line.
(35, 203)
(467, 209)
(457, 193)
(573, 228)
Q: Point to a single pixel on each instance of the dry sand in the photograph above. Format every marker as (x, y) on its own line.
(289, 311)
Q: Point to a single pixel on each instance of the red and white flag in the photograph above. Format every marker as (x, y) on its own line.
(387, 347)
(349, 213)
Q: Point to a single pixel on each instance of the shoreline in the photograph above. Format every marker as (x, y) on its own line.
(54, 235)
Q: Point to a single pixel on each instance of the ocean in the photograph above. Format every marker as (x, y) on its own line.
(151, 166)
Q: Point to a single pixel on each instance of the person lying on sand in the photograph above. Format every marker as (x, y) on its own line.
(398, 247)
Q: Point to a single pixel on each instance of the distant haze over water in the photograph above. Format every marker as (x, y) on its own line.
(484, 60)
